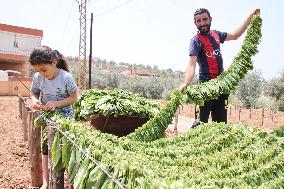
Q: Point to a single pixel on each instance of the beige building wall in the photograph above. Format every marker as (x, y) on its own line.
(23, 68)
(16, 44)
(15, 87)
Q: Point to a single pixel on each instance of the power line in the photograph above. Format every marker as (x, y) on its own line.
(113, 8)
(66, 23)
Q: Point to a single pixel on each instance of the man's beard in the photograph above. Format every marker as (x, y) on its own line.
(204, 29)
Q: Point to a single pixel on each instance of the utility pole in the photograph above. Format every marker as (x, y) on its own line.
(91, 52)
(82, 64)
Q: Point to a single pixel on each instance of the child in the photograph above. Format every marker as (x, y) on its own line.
(52, 88)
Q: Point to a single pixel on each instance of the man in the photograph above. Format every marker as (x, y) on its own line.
(205, 50)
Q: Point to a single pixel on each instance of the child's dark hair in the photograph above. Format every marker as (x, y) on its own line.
(45, 55)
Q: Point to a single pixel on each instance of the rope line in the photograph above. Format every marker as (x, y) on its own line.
(87, 155)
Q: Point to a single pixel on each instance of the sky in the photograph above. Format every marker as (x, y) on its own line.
(149, 32)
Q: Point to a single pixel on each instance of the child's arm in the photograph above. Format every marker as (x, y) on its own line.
(51, 105)
(36, 104)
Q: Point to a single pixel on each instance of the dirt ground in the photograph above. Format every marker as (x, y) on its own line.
(14, 160)
(264, 119)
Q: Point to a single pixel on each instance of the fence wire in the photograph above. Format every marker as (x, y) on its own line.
(54, 125)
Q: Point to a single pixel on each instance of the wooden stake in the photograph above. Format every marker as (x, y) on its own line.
(262, 117)
(35, 151)
(175, 123)
(20, 107)
(24, 123)
(56, 180)
(271, 114)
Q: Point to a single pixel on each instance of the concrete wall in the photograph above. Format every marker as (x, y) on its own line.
(14, 87)
(23, 68)
(16, 43)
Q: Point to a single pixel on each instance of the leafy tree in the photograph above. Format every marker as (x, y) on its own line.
(250, 88)
(99, 80)
(155, 88)
(113, 80)
(106, 75)
(137, 85)
(275, 88)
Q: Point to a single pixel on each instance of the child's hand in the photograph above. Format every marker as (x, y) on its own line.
(51, 105)
(37, 105)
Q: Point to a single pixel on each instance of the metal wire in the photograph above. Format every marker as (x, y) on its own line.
(87, 155)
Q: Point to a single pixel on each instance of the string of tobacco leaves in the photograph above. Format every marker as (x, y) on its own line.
(197, 93)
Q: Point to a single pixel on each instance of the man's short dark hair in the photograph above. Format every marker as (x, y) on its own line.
(201, 11)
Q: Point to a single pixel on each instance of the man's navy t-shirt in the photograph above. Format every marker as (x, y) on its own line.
(207, 49)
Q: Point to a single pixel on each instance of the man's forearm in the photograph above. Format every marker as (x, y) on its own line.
(189, 74)
(190, 70)
(240, 30)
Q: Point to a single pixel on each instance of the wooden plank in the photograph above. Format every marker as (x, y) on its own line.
(262, 116)
(20, 106)
(35, 152)
(175, 122)
(56, 180)
(25, 123)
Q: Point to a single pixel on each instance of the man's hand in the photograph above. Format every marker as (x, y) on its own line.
(51, 105)
(256, 12)
(183, 86)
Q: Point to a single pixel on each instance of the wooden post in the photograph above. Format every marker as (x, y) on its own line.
(30, 123)
(23, 106)
(20, 107)
(250, 113)
(35, 151)
(24, 123)
(262, 117)
(240, 113)
(56, 180)
(176, 121)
